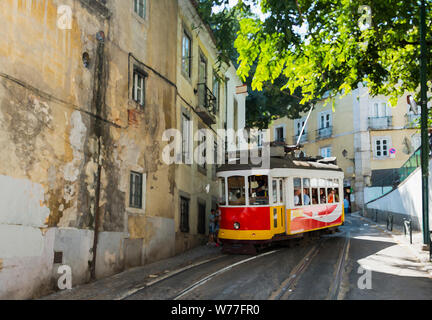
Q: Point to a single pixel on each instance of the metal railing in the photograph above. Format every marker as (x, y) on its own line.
(206, 99)
(389, 222)
(303, 139)
(408, 228)
(380, 122)
(412, 120)
(323, 133)
(410, 165)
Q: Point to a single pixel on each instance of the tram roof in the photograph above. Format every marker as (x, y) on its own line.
(281, 163)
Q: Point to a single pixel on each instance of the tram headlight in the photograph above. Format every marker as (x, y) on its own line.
(236, 225)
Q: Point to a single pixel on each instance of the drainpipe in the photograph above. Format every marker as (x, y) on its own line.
(98, 103)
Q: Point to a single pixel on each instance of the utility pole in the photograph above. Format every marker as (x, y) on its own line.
(424, 125)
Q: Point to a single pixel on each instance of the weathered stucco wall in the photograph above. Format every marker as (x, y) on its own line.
(68, 142)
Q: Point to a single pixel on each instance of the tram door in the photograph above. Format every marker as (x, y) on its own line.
(278, 206)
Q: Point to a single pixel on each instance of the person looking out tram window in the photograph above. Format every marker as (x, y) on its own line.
(306, 191)
(314, 188)
(236, 191)
(297, 192)
(322, 196)
(258, 190)
(306, 198)
(331, 195)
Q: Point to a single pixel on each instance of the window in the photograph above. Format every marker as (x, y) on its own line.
(222, 192)
(236, 191)
(379, 110)
(135, 191)
(216, 87)
(381, 147)
(280, 190)
(297, 192)
(279, 134)
(274, 191)
(314, 190)
(326, 152)
(322, 191)
(306, 192)
(139, 87)
(298, 125)
(201, 228)
(186, 54)
(260, 139)
(140, 8)
(186, 138)
(325, 120)
(202, 149)
(184, 214)
(258, 190)
(332, 190)
(235, 121)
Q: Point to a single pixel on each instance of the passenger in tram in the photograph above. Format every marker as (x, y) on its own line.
(331, 196)
(297, 196)
(322, 196)
(306, 198)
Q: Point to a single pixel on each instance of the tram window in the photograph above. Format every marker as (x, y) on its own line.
(274, 192)
(331, 191)
(222, 194)
(306, 191)
(336, 184)
(236, 191)
(322, 191)
(314, 188)
(258, 190)
(280, 191)
(297, 192)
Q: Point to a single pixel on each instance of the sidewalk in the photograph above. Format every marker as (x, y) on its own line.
(123, 284)
(399, 237)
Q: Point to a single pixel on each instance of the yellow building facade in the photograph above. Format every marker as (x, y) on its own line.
(88, 90)
(364, 133)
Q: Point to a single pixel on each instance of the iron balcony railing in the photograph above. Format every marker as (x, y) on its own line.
(304, 138)
(411, 120)
(323, 133)
(206, 99)
(380, 122)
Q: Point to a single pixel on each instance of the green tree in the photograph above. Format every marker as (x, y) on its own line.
(333, 45)
(263, 106)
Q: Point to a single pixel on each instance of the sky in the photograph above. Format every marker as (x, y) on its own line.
(255, 9)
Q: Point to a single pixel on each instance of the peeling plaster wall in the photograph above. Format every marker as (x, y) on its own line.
(45, 116)
(68, 145)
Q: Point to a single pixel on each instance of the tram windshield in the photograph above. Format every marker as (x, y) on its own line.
(258, 190)
(236, 191)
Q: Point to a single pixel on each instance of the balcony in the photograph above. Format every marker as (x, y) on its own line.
(411, 120)
(379, 123)
(207, 108)
(303, 139)
(324, 133)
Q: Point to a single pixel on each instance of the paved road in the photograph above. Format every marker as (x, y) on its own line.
(359, 262)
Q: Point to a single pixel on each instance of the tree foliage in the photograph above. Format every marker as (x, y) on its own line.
(342, 43)
(307, 48)
(263, 106)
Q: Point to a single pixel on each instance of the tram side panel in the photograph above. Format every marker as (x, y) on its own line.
(315, 217)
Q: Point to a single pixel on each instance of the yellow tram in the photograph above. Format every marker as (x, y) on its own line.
(293, 196)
